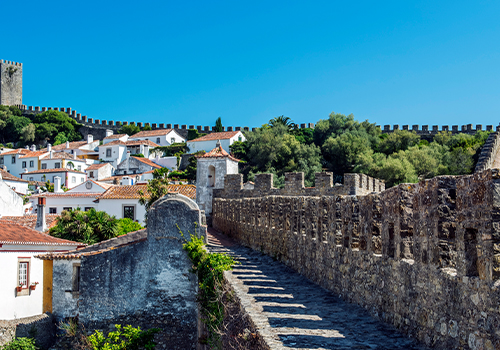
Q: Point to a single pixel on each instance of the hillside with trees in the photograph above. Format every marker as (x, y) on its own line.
(341, 144)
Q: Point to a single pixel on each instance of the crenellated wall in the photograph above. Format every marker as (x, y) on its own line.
(424, 257)
(489, 153)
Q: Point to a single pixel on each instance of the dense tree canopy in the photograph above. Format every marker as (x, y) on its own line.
(341, 144)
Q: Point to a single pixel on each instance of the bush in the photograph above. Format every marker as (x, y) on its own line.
(128, 338)
(20, 344)
(127, 225)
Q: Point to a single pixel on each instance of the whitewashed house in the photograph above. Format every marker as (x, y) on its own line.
(22, 288)
(209, 142)
(99, 171)
(110, 137)
(135, 165)
(11, 203)
(11, 159)
(69, 177)
(17, 184)
(162, 137)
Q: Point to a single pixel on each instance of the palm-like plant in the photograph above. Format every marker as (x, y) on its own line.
(282, 120)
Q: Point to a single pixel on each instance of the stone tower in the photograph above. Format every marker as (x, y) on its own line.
(211, 169)
(11, 83)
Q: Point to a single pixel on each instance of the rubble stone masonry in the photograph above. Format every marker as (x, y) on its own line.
(424, 257)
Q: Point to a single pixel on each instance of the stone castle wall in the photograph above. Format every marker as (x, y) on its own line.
(11, 83)
(424, 257)
(488, 152)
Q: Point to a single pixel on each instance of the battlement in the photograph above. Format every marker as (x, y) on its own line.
(354, 184)
(11, 63)
(425, 130)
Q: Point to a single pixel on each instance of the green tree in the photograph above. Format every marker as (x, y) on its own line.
(218, 125)
(282, 120)
(127, 225)
(399, 140)
(60, 138)
(146, 128)
(194, 134)
(28, 133)
(55, 122)
(239, 149)
(129, 129)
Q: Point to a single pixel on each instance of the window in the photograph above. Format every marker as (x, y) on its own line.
(158, 140)
(76, 279)
(239, 138)
(57, 165)
(211, 176)
(1, 160)
(23, 275)
(52, 210)
(44, 165)
(13, 159)
(129, 212)
(91, 174)
(31, 178)
(108, 152)
(23, 164)
(88, 208)
(73, 179)
(67, 208)
(82, 180)
(32, 164)
(172, 140)
(79, 168)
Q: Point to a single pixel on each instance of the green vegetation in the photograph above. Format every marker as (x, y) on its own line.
(20, 344)
(91, 226)
(126, 338)
(210, 269)
(194, 134)
(49, 187)
(341, 144)
(129, 129)
(218, 125)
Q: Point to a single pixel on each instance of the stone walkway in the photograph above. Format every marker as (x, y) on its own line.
(290, 312)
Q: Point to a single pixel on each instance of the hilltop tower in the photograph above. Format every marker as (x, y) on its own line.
(11, 83)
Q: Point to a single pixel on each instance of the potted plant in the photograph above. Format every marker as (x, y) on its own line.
(19, 287)
(33, 285)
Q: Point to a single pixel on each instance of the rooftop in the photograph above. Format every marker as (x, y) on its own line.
(216, 136)
(11, 233)
(33, 154)
(218, 152)
(115, 136)
(8, 176)
(16, 151)
(149, 133)
(96, 166)
(148, 162)
(132, 191)
(30, 220)
(55, 170)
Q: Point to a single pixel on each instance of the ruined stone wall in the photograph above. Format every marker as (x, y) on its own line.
(424, 257)
(11, 83)
(488, 152)
(40, 327)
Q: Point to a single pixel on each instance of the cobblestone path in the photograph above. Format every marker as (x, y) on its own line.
(290, 312)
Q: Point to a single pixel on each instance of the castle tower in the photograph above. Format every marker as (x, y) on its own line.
(11, 83)
(211, 169)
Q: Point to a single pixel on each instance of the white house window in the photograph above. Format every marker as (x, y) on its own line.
(91, 174)
(57, 166)
(129, 212)
(52, 210)
(23, 274)
(67, 208)
(108, 152)
(31, 178)
(211, 176)
(32, 164)
(44, 165)
(239, 138)
(172, 140)
(73, 179)
(23, 164)
(1, 160)
(79, 168)
(13, 159)
(82, 180)
(158, 140)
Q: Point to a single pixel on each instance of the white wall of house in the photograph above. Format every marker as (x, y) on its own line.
(10, 202)
(117, 155)
(166, 162)
(18, 186)
(56, 204)
(30, 163)
(14, 168)
(68, 179)
(207, 146)
(124, 138)
(162, 140)
(116, 207)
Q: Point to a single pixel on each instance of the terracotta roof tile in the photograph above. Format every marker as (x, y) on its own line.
(16, 151)
(59, 155)
(96, 166)
(114, 136)
(149, 133)
(8, 176)
(113, 143)
(218, 152)
(72, 145)
(55, 170)
(30, 220)
(142, 142)
(66, 194)
(216, 136)
(148, 162)
(132, 191)
(16, 234)
(34, 154)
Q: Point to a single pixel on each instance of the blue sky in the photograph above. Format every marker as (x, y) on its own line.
(189, 62)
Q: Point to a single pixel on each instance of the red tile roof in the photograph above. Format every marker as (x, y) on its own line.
(216, 136)
(16, 234)
(148, 162)
(142, 142)
(66, 194)
(218, 152)
(72, 145)
(149, 133)
(132, 191)
(34, 154)
(9, 177)
(96, 166)
(59, 155)
(16, 151)
(30, 220)
(113, 143)
(55, 170)
(115, 136)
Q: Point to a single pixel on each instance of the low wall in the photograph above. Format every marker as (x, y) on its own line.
(424, 257)
(40, 327)
(489, 152)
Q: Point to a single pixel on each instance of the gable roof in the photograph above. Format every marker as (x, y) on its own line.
(132, 191)
(142, 142)
(30, 220)
(16, 151)
(114, 136)
(11, 233)
(72, 145)
(60, 155)
(55, 170)
(150, 133)
(96, 166)
(218, 152)
(9, 177)
(216, 136)
(148, 162)
(33, 154)
(113, 143)
(103, 185)
(101, 247)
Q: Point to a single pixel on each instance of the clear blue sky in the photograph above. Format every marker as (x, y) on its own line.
(189, 62)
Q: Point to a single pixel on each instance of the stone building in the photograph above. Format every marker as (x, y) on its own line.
(11, 83)
(210, 172)
(141, 278)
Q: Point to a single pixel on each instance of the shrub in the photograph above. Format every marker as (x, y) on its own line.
(128, 338)
(20, 344)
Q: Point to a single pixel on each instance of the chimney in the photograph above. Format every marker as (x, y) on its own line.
(109, 132)
(49, 147)
(25, 170)
(27, 147)
(50, 154)
(57, 184)
(74, 155)
(126, 181)
(33, 148)
(41, 225)
(67, 144)
(90, 138)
